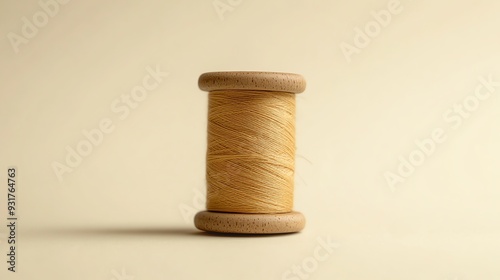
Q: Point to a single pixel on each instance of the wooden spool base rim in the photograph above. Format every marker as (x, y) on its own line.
(249, 223)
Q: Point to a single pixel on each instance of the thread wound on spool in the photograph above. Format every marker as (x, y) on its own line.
(251, 151)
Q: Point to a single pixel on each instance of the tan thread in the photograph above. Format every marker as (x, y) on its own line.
(251, 151)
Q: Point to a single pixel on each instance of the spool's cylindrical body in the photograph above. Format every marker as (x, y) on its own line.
(250, 152)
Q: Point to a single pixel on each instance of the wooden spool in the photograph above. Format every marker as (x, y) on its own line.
(246, 223)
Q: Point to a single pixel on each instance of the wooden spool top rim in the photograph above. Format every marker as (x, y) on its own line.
(248, 80)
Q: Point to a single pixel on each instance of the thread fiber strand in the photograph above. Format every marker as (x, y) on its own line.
(251, 151)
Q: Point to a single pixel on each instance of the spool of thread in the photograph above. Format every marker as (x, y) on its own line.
(250, 153)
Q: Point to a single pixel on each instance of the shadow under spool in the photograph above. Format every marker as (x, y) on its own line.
(225, 220)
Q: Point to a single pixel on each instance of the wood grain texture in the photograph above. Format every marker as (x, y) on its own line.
(271, 81)
(250, 223)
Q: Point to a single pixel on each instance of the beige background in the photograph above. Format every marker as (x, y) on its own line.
(118, 215)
